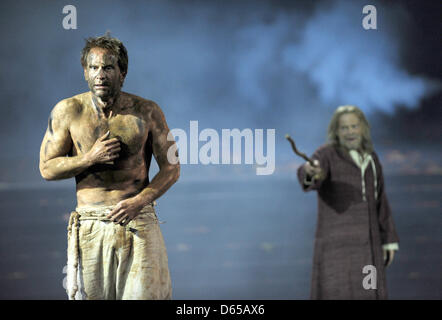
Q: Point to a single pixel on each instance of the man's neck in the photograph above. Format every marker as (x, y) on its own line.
(106, 105)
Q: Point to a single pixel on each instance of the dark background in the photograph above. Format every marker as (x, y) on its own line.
(283, 65)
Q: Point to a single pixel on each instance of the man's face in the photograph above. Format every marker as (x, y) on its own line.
(102, 73)
(350, 131)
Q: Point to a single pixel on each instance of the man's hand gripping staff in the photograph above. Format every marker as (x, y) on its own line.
(312, 167)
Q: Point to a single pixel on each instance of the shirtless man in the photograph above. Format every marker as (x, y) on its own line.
(105, 138)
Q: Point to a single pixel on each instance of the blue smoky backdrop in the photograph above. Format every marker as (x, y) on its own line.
(281, 65)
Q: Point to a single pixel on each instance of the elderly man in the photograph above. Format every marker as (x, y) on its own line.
(105, 138)
(355, 235)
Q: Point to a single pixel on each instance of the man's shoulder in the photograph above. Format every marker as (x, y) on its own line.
(326, 149)
(150, 110)
(375, 156)
(328, 152)
(70, 106)
(143, 103)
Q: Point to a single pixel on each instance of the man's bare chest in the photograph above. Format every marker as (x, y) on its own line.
(130, 129)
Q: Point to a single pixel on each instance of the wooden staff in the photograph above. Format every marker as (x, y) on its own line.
(295, 150)
(302, 155)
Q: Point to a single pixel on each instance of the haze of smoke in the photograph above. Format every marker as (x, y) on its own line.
(344, 62)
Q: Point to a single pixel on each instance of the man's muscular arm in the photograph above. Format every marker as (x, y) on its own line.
(57, 143)
(128, 209)
(169, 173)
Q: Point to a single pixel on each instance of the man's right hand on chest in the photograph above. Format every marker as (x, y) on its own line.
(103, 150)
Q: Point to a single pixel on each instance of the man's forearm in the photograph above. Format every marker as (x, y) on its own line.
(162, 181)
(64, 167)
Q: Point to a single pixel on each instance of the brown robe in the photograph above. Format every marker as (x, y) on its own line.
(350, 232)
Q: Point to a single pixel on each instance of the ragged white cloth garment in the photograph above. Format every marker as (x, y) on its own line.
(110, 261)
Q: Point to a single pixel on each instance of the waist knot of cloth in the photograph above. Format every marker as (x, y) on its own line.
(100, 213)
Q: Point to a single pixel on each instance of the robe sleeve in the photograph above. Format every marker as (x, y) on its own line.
(308, 185)
(386, 224)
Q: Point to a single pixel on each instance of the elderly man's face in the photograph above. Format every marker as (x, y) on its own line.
(350, 131)
(102, 73)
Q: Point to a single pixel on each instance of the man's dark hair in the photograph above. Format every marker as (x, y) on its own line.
(114, 45)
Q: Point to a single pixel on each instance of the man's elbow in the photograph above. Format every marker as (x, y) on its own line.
(173, 172)
(44, 172)
(47, 176)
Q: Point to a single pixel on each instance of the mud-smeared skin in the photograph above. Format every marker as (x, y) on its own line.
(50, 125)
(78, 122)
(106, 183)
